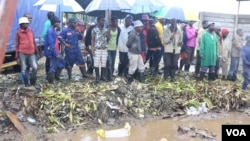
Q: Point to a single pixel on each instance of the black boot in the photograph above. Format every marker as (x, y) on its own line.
(51, 77)
(234, 77)
(103, 74)
(57, 74)
(172, 75)
(202, 75)
(223, 77)
(211, 76)
(32, 79)
(110, 75)
(229, 77)
(187, 68)
(97, 75)
(166, 73)
(130, 78)
(83, 72)
(69, 70)
(141, 77)
(26, 81)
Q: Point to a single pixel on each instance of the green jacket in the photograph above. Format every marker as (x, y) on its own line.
(209, 49)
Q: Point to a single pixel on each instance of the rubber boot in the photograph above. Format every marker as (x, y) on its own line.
(83, 72)
(110, 75)
(172, 75)
(130, 79)
(187, 68)
(229, 77)
(32, 79)
(103, 74)
(51, 77)
(141, 77)
(202, 75)
(152, 71)
(166, 73)
(69, 70)
(234, 77)
(57, 74)
(25, 80)
(223, 77)
(97, 75)
(211, 76)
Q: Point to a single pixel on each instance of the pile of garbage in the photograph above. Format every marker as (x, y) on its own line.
(66, 103)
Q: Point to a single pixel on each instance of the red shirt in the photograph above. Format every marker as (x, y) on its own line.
(25, 41)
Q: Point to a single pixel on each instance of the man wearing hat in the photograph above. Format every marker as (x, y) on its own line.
(225, 52)
(69, 38)
(52, 52)
(26, 50)
(123, 49)
(245, 55)
(134, 52)
(208, 52)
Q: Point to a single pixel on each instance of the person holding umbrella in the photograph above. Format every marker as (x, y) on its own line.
(69, 38)
(172, 41)
(208, 52)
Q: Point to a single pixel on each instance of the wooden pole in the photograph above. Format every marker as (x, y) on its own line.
(237, 18)
(7, 13)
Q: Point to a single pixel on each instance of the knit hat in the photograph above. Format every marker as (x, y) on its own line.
(23, 20)
(137, 23)
(224, 31)
(55, 20)
(145, 17)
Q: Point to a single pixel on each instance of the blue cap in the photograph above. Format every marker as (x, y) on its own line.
(72, 20)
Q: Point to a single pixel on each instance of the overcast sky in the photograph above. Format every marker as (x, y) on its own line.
(219, 6)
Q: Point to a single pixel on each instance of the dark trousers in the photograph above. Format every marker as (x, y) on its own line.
(111, 61)
(171, 61)
(47, 65)
(198, 62)
(190, 55)
(123, 64)
(154, 57)
(217, 67)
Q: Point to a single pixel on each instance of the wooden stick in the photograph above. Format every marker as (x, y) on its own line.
(19, 126)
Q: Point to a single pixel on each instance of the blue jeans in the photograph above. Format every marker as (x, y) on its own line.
(246, 81)
(111, 61)
(31, 58)
(234, 66)
(211, 69)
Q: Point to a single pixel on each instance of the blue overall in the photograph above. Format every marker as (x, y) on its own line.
(56, 59)
(73, 54)
(245, 54)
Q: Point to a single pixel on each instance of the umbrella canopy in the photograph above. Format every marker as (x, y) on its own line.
(146, 6)
(107, 5)
(59, 5)
(181, 14)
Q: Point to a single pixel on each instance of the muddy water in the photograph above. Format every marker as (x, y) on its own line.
(155, 129)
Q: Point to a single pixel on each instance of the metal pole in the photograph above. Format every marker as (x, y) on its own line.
(237, 18)
(6, 19)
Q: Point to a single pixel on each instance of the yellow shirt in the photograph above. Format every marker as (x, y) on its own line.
(159, 28)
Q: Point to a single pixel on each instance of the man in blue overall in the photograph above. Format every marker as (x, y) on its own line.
(69, 38)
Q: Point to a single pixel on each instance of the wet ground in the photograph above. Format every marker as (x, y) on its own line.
(156, 129)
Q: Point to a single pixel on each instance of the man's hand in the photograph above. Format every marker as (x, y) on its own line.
(67, 45)
(93, 52)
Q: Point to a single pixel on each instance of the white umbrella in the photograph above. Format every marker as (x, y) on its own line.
(146, 6)
(59, 5)
(107, 5)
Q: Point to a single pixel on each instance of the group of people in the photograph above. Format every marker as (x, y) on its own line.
(138, 42)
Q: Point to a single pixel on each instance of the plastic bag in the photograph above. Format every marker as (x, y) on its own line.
(117, 133)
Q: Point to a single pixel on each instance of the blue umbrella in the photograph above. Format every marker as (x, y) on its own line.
(181, 14)
(59, 5)
(146, 6)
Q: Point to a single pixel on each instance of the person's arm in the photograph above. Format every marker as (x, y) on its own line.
(237, 43)
(202, 46)
(62, 36)
(244, 57)
(51, 42)
(93, 42)
(131, 38)
(17, 45)
(36, 48)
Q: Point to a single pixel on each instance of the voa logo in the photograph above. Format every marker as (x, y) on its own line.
(236, 132)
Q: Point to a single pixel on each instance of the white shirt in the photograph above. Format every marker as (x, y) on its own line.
(123, 38)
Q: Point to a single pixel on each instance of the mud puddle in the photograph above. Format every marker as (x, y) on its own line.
(156, 129)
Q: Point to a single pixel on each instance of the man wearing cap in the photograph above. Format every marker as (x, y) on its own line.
(26, 50)
(154, 48)
(69, 38)
(144, 34)
(198, 41)
(53, 53)
(99, 48)
(245, 54)
(237, 44)
(123, 49)
(172, 41)
(208, 52)
(191, 41)
(134, 52)
(46, 26)
(225, 52)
